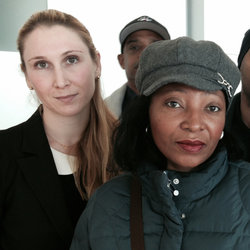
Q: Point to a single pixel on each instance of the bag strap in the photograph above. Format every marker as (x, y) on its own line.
(136, 219)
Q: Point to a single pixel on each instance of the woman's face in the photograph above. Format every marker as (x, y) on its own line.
(186, 124)
(60, 70)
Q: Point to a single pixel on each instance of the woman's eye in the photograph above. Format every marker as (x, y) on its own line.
(213, 108)
(173, 104)
(72, 60)
(41, 65)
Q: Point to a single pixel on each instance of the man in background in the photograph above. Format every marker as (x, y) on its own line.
(134, 38)
(238, 117)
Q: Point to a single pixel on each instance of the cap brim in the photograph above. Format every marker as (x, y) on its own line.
(144, 26)
(193, 76)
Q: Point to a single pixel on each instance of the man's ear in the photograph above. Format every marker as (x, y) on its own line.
(120, 58)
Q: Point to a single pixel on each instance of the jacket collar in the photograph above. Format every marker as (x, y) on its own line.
(195, 185)
(40, 172)
(159, 185)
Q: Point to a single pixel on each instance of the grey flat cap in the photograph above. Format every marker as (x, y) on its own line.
(200, 64)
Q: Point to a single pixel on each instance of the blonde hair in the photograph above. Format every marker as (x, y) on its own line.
(94, 164)
(50, 18)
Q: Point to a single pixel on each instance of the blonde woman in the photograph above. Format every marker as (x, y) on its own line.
(52, 163)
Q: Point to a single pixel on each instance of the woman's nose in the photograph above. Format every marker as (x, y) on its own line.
(60, 80)
(193, 121)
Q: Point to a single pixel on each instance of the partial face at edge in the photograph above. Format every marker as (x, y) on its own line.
(245, 74)
(186, 124)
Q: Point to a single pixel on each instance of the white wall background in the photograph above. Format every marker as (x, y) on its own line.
(225, 23)
(105, 19)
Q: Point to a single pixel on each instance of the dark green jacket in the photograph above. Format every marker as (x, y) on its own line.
(211, 212)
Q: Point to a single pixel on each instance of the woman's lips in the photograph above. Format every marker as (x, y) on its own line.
(191, 146)
(66, 98)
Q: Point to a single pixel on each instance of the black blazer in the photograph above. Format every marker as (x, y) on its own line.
(33, 213)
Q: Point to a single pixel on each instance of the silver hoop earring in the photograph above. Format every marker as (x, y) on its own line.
(222, 134)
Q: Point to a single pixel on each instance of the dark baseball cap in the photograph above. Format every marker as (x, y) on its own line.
(143, 23)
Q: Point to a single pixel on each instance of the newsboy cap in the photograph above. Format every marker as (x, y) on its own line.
(200, 64)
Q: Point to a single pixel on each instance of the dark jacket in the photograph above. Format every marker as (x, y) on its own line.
(211, 212)
(236, 127)
(33, 214)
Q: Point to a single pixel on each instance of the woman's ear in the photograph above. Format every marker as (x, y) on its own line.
(22, 68)
(98, 65)
(28, 82)
(29, 85)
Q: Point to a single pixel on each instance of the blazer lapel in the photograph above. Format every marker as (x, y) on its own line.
(40, 172)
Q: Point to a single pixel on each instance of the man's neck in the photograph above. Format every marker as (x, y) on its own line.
(132, 86)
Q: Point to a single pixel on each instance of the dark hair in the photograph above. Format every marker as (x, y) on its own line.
(133, 141)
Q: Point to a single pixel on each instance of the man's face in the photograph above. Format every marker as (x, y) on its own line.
(133, 47)
(245, 75)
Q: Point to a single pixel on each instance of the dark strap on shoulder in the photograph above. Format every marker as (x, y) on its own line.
(136, 219)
